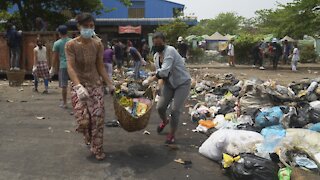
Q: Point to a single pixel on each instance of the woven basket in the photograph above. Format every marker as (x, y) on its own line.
(127, 121)
(15, 78)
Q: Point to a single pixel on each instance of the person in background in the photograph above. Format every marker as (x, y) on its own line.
(60, 56)
(231, 53)
(145, 50)
(176, 84)
(286, 51)
(118, 52)
(40, 24)
(14, 42)
(276, 52)
(182, 48)
(86, 69)
(108, 58)
(295, 58)
(40, 67)
(258, 56)
(137, 58)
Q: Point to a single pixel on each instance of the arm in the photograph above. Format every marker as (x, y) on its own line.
(55, 57)
(100, 66)
(70, 55)
(35, 57)
(163, 72)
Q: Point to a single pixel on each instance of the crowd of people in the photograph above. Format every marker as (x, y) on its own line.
(275, 52)
(88, 62)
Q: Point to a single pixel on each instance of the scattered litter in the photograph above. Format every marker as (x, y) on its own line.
(40, 117)
(21, 89)
(113, 123)
(146, 132)
(67, 131)
(187, 164)
(10, 101)
(184, 124)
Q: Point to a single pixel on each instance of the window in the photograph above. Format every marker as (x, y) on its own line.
(136, 12)
(137, 9)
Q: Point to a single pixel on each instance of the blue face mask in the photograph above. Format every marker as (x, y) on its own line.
(87, 32)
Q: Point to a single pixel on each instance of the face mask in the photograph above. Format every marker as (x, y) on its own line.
(159, 48)
(87, 32)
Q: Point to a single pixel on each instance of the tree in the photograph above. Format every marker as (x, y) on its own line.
(296, 19)
(173, 30)
(226, 23)
(54, 11)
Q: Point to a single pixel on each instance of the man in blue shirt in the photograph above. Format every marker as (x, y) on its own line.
(13, 41)
(59, 56)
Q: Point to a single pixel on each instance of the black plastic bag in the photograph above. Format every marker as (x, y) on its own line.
(248, 127)
(254, 168)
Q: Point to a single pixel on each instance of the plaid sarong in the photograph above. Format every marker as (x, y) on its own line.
(42, 70)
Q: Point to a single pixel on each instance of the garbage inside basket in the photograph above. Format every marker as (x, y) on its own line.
(132, 106)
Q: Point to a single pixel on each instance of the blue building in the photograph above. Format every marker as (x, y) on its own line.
(135, 22)
(142, 9)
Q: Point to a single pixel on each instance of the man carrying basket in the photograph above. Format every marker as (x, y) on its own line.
(176, 84)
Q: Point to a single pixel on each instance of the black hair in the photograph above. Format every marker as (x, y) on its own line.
(84, 17)
(39, 41)
(115, 40)
(160, 35)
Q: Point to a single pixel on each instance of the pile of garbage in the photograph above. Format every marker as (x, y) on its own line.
(131, 97)
(258, 129)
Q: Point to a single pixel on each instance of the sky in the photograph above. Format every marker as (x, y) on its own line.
(206, 9)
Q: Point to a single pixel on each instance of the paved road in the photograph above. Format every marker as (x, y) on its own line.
(45, 149)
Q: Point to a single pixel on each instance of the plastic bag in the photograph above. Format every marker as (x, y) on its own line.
(305, 140)
(254, 168)
(245, 119)
(207, 123)
(269, 116)
(284, 173)
(272, 137)
(315, 127)
(229, 141)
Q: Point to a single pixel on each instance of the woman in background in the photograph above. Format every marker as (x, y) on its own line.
(40, 67)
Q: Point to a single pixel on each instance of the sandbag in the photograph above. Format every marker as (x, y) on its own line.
(251, 167)
(232, 142)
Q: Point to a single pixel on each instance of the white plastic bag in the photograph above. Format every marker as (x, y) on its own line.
(232, 142)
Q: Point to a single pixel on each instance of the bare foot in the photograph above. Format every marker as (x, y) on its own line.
(100, 156)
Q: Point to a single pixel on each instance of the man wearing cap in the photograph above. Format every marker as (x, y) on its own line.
(182, 48)
(59, 56)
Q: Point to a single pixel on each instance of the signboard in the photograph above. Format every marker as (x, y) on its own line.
(129, 29)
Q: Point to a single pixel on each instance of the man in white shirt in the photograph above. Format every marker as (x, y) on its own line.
(231, 53)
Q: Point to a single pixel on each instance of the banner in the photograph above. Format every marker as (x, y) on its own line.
(129, 29)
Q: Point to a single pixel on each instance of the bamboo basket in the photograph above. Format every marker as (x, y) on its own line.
(127, 121)
(15, 78)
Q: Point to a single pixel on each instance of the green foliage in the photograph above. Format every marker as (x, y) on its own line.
(196, 55)
(173, 31)
(308, 54)
(294, 19)
(243, 46)
(226, 23)
(54, 11)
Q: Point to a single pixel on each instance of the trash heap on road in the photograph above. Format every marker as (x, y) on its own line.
(258, 129)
